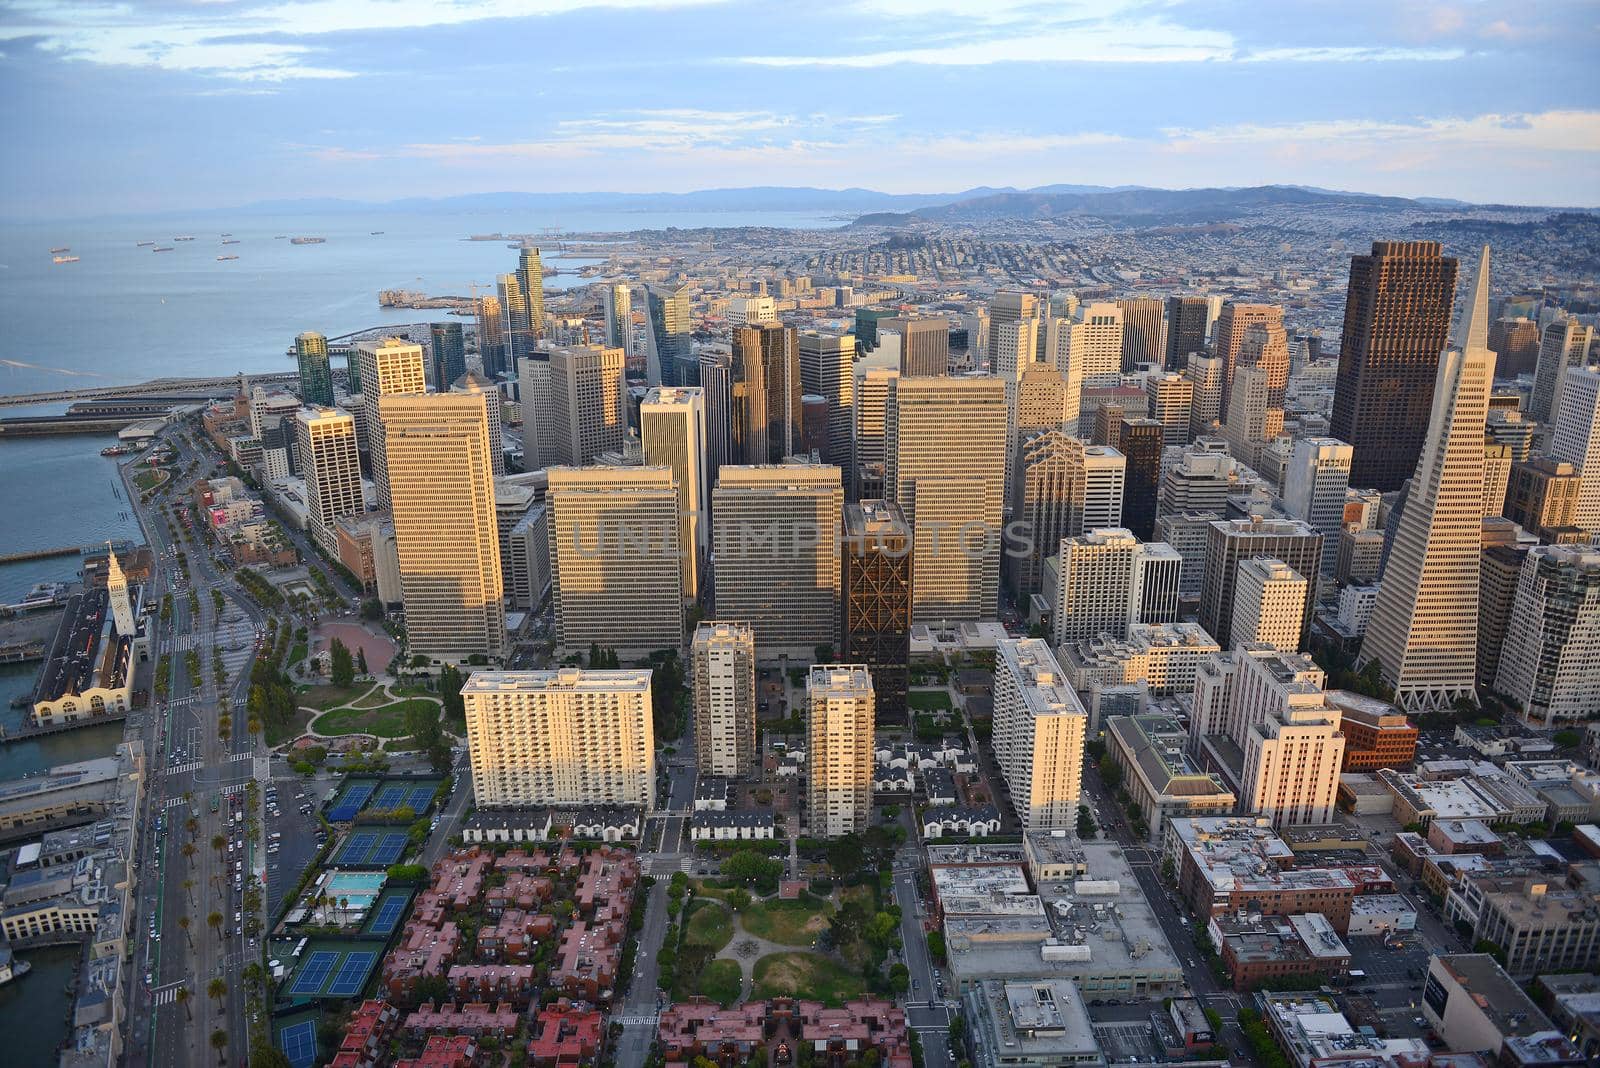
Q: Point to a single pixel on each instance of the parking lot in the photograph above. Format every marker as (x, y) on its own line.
(296, 824)
(1393, 976)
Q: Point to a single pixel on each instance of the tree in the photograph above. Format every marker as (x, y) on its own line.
(846, 855)
(266, 1055)
(218, 843)
(936, 945)
(1110, 773)
(450, 682)
(219, 1042)
(361, 662)
(738, 899)
(1086, 827)
(958, 1030)
(823, 654)
(341, 670)
(217, 989)
(372, 609)
(182, 995)
(214, 921)
(183, 925)
(899, 978)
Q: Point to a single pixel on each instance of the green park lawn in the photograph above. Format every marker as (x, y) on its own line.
(929, 701)
(710, 925)
(788, 923)
(387, 721)
(807, 975)
(721, 981)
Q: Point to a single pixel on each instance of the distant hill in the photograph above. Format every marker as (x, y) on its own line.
(1136, 204)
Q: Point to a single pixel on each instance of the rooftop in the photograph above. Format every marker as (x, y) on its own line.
(1496, 994)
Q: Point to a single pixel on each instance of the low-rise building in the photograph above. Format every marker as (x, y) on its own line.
(1381, 914)
(734, 825)
(1537, 922)
(1473, 1005)
(1260, 950)
(1376, 734)
(1575, 1008)
(1228, 863)
(1464, 836)
(1029, 1024)
(1158, 774)
(1312, 1031)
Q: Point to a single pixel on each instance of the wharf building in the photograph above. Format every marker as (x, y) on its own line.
(90, 664)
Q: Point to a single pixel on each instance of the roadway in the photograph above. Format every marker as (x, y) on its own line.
(191, 765)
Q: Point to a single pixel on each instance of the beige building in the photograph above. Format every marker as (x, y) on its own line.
(1269, 603)
(1094, 345)
(827, 363)
(1252, 420)
(1206, 372)
(1169, 400)
(586, 405)
(387, 368)
(567, 737)
(615, 567)
(672, 429)
(1424, 629)
(442, 489)
(325, 443)
(1055, 499)
(872, 385)
(1291, 765)
(839, 748)
(1039, 729)
(1109, 579)
(722, 663)
(777, 552)
(953, 498)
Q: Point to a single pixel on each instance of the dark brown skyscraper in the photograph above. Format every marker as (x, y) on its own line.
(766, 420)
(1232, 325)
(1186, 329)
(876, 603)
(1141, 331)
(1396, 322)
(924, 344)
(1516, 342)
(1141, 443)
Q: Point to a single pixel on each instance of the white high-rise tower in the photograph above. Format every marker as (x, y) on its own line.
(1424, 629)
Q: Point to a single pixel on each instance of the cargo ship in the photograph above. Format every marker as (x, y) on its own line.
(162, 248)
(307, 240)
(144, 244)
(183, 239)
(221, 258)
(63, 248)
(65, 259)
(231, 241)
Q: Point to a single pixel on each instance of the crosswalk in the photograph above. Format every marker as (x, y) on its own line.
(242, 756)
(641, 1020)
(167, 995)
(179, 769)
(237, 787)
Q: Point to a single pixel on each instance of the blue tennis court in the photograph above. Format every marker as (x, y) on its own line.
(355, 848)
(420, 798)
(350, 802)
(352, 974)
(391, 795)
(314, 972)
(299, 1043)
(387, 917)
(388, 850)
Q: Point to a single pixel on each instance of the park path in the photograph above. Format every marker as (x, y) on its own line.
(388, 692)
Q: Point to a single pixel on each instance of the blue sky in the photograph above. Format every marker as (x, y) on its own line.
(128, 106)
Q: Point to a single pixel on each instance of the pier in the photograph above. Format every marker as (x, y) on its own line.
(206, 388)
(64, 550)
(29, 730)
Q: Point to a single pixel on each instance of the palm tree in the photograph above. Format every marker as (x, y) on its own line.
(214, 921)
(183, 996)
(188, 885)
(189, 851)
(219, 1042)
(344, 906)
(217, 989)
(191, 824)
(218, 842)
(183, 922)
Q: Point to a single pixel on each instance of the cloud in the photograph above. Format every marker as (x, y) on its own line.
(1560, 131)
(226, 39)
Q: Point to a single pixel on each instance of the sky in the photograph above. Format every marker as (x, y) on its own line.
(142, 105)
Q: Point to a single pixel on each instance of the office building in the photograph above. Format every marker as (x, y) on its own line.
(924, 344)
(876, 604)
(1039, 729)
(540, 432)
(316, 373)
(672, 430)
(839, 749)
(530, 280)
(514, 319)
(615, 559)
(1232, 541)
(1188, 533)
(525, 559)
(669, 346)
(447, 350)
(766, 388)
(1564, 345)
(325, 442)
(1360, 558)
(1315, 488)
(1159, 776)
(716, 383)
(1140, 444)
(1252, 420)
(1056, 499)
(1094, 345)
(1207, 375)
(1187, 320)
(1514, 430)
(1203, 478)
(472, 382)
(1143, 332)
(1040, 399)
(1542, 496)
(743, 311)
(1108, 425)
(1233, 324)
(1162, 659)
(1474, 1006)
(1269, 604)
(1496, 476)
(489, 321)
(1498, 577)
(722, 669)
(618, 302)
(387, 368)
(872, 386)
(1007, 308)
(1550, 656)
(1171, 403)
(953, 499)
(1515, 342)
(444, 524)
(1424, 629)
(1266, 347)
(776, 553)
(1575, 439)
(827, 363)
(587, 416)
(1376, 734)
(1396, 322)
(566, 737)
(1013, 346)
(1108, 579)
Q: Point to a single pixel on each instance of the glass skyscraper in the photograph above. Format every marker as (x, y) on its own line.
(669, 351)
(449, 354)
(316, 374)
